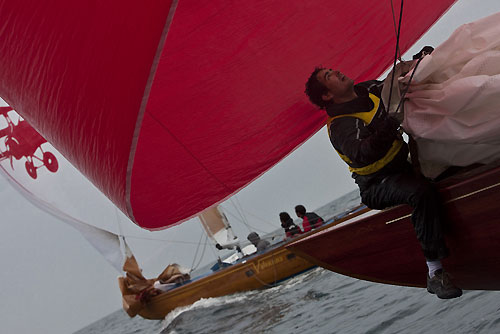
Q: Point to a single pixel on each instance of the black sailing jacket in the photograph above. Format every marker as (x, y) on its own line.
(363, 143)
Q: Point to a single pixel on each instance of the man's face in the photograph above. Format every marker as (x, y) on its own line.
(336, 82)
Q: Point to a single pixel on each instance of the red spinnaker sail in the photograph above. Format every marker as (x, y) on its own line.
(169, 107)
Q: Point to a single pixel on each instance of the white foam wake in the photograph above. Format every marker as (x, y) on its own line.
(202, 303)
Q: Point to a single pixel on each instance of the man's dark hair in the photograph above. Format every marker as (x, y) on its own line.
(253, 237)
(315, 89)
(284, 216)
(300, 209)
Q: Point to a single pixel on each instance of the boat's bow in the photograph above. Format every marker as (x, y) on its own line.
(381, 246)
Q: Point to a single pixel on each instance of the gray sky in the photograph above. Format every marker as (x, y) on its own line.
(55, 282)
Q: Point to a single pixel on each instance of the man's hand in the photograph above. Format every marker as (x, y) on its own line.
(426, 50)
(394, 123)
(391, 126)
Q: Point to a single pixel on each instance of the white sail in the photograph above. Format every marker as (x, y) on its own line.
(41, 175)
(105, 242)
(217, 227)
(451, 108)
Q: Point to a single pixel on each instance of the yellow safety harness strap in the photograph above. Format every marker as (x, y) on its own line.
(366, 116)
(377, 165)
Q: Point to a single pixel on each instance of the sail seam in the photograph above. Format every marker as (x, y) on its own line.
(142, 110)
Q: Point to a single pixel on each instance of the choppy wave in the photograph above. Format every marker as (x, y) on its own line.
(322, 302)
(318, 302)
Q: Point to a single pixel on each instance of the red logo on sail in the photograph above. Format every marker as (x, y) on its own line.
(22, 141)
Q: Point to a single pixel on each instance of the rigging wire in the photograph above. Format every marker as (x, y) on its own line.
(196, 252)
(248, 225)
(163, 240)
(244, 220)
(259, 218)
(240, 207)
(213, 251)
(408, 85)
(241, 214)
(396, 58)
(120, 232)
(201, 255)
(121, 240)
(397, 49)
(395, 28)
(212, 244)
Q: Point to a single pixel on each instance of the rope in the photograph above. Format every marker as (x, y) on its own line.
(408, 85)
(396, 57)
(121, 237)
(246, 224)
(241, 214)
(395, 29)
(397, 49)
(216, 256)
(196, 252)
(201, 257)
(259, 218)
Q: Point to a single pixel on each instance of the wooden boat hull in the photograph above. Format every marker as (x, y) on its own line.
(257, 272)
(382, 247)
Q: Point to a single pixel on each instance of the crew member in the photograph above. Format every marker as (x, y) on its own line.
(370, 143)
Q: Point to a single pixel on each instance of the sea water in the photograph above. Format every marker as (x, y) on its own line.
(320, 301)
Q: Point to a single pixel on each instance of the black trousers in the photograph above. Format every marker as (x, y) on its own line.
(412, 189)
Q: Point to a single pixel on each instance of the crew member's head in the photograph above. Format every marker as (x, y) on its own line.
(254, 238)
(300, 210)
(285, 219)
(326, 86)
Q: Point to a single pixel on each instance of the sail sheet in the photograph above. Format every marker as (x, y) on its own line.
(169, 107)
